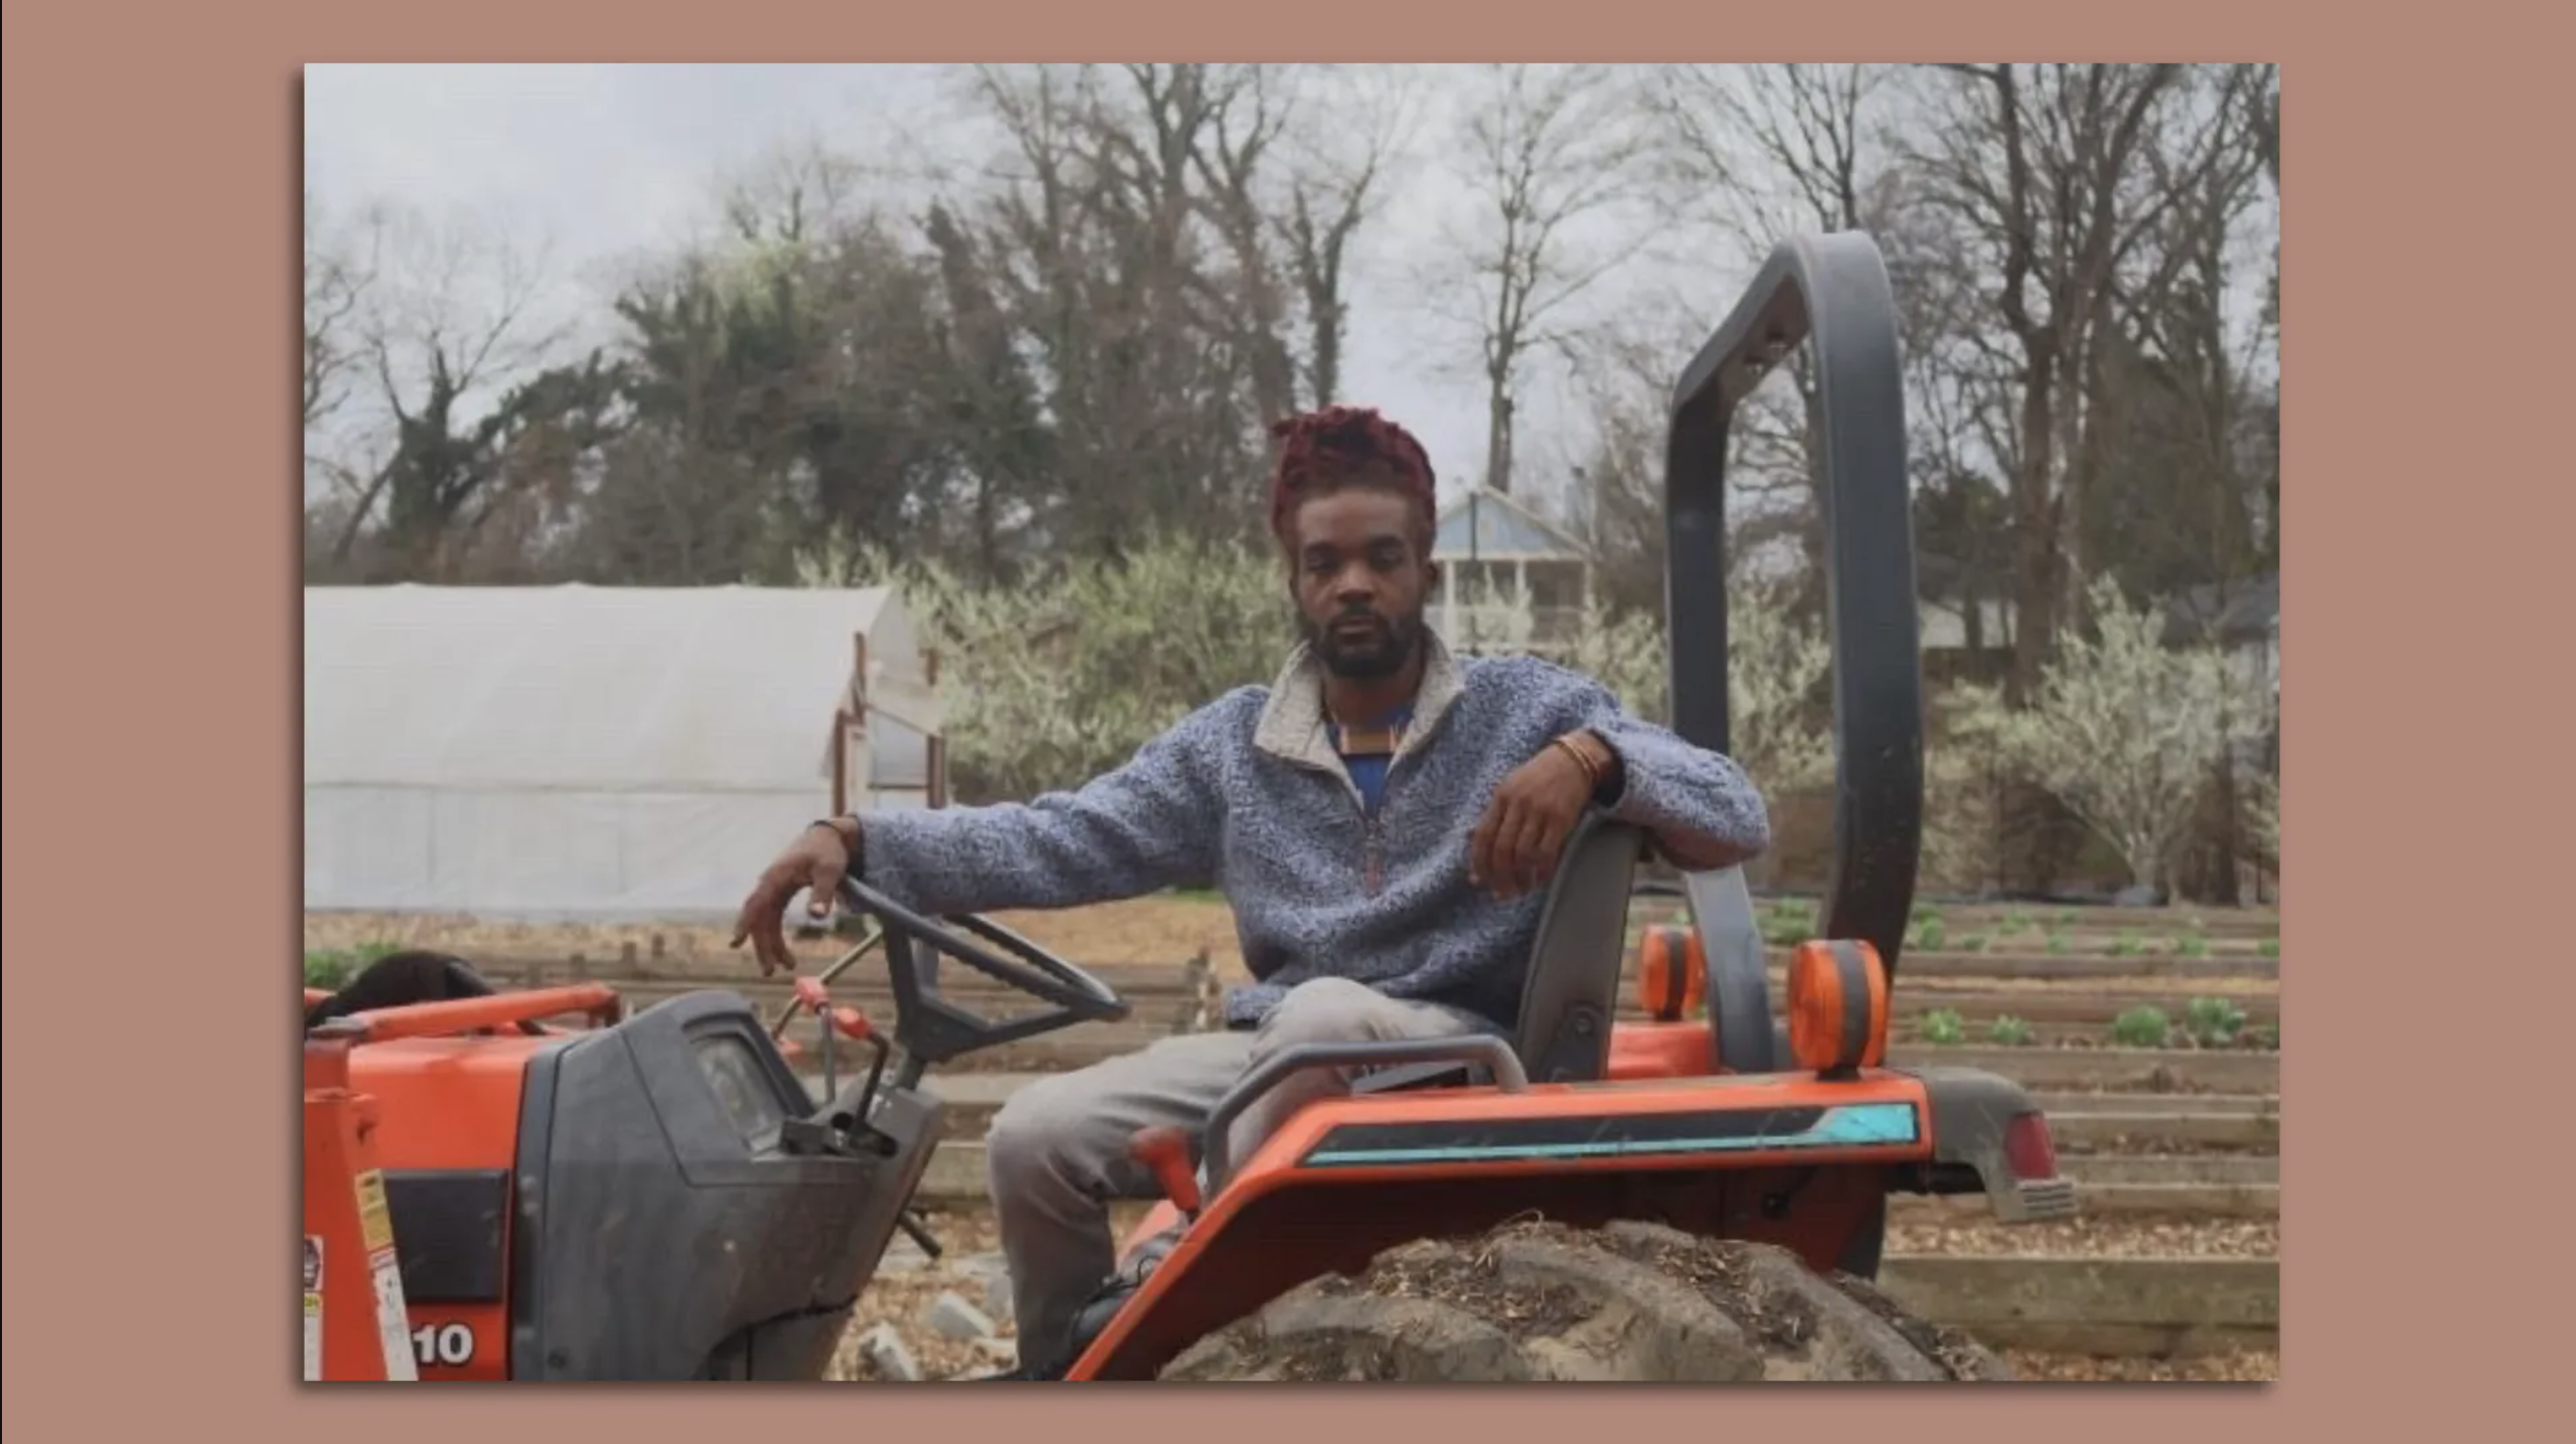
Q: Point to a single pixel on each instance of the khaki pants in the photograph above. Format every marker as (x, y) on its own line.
(1057, 1151)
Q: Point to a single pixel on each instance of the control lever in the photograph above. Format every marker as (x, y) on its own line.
(852, 1024)
(813, 995)
(830, 975)
(835, 1023)
(919, 1232)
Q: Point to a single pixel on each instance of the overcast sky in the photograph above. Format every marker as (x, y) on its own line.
(606, 162)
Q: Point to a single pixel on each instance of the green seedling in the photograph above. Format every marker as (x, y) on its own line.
(1972, 943)
(2269, 947)
(1787, 922)
(2010, 1032)
(1943, 1027)
(2214, 1022)
(2126, 945)
(2059, 943)
(2191, 945)
(2145, 1026)
(1933, 934)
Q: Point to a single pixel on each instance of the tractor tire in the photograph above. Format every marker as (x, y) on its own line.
(1542, 1301)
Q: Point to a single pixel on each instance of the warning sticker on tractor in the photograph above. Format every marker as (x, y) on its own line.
(393, 1322)
(375, 1218)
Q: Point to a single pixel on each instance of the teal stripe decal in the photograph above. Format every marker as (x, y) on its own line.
(1850, 1125)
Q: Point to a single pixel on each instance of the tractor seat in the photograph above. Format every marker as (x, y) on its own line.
(1570, 993)
(1570, 989)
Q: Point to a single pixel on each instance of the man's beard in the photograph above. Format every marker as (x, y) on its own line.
(1374, 656)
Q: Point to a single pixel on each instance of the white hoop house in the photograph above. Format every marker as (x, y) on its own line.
(604, 753)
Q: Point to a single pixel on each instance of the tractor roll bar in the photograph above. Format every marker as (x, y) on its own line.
(1831, 291)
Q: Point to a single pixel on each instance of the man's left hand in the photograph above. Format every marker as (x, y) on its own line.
(1515, 846)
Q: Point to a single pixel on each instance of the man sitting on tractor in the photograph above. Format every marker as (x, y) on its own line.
(1384, 820)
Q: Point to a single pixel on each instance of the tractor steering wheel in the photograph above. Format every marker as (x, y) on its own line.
(1031, 968)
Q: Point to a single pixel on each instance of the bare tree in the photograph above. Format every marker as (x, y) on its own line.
(1090, 229)
(1158, 239)
(2267, 144)
(1226, 123)
(2034, 211)
(2041, 179)
(2173, 401)
(1762, 151)
(1622, 398)
(1623, 390)
(452, 323)
(2188, 425)
(1342, 155)
(339, 269)
(1552, 151)
(1284, 164)
(1757, 153)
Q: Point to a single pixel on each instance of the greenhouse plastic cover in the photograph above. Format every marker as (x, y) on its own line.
(604, 752)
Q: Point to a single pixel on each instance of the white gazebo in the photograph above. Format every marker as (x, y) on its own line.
(608, 753)
(1492, 546)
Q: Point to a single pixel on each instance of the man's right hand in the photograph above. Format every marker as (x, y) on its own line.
(813, 863)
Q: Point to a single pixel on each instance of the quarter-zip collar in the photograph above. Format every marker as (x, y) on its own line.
(1292, 723)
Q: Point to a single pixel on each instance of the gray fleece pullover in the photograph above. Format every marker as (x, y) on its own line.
(1247, 796)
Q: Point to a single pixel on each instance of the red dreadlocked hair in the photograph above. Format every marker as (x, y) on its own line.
(1338, 446)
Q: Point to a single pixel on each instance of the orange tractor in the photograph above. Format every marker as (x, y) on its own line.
(1699, 1196)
